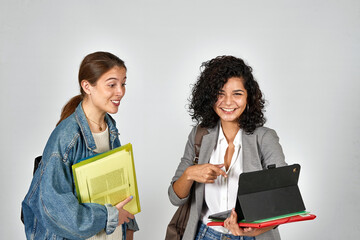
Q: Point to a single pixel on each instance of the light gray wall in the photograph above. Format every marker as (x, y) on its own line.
(305, 55)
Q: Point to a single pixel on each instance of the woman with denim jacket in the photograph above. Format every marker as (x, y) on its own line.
(51, 208)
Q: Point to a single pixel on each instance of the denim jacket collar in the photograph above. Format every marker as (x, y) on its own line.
(85, 128)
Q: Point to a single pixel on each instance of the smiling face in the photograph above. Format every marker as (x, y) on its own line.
(105, 96)
(231, 101)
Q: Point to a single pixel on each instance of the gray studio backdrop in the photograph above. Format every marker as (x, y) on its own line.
(305, 55)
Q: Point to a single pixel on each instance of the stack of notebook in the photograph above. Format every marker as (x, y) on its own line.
(288, 218)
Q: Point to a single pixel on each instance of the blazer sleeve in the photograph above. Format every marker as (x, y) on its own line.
(270, 149)
(186, 161)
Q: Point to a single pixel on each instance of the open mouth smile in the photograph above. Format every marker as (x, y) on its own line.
(228, 110)
(116, 102)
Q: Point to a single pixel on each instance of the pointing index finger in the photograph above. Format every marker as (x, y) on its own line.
(219, 171)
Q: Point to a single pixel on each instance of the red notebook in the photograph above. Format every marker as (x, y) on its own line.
(296, 218)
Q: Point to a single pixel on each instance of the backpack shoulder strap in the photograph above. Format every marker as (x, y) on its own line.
(200, 132)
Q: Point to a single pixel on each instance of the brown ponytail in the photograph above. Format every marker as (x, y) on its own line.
(91, 69)
(70, 107)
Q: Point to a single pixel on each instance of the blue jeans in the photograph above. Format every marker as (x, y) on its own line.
(206, 233)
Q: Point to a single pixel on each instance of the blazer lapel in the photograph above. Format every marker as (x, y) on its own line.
(251, 157)
(207, 146)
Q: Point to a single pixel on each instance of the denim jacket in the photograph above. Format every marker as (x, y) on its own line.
(51, 208)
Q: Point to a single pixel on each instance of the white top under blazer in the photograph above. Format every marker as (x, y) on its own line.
(221, 195)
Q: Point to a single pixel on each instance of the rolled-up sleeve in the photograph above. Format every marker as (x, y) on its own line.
(112, 218)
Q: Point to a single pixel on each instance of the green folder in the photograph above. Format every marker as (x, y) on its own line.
(108, 177)
(278, 217)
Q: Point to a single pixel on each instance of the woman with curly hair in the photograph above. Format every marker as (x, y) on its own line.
(227, 102)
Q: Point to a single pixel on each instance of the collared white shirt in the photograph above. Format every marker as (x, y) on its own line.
(221, 195)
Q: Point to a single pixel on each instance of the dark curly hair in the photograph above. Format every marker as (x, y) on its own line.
(214, 75)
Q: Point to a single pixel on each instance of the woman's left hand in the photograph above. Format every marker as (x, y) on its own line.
(232, 224)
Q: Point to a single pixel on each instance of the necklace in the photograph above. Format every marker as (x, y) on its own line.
(100, 128)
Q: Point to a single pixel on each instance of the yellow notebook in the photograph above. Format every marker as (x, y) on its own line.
(108, 177)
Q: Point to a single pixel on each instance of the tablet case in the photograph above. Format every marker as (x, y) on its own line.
(267, 193)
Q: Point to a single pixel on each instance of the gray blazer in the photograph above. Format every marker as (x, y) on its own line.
(260, 149)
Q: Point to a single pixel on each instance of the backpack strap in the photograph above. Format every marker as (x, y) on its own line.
(200, 132)
(37, 162)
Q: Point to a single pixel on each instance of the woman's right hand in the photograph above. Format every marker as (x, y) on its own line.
(124, 216)
(204, 173)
